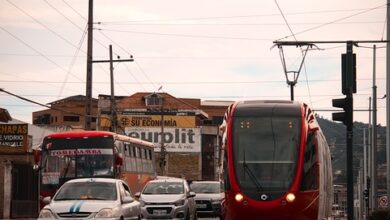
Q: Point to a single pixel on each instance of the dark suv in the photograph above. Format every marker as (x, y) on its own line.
(209, 195)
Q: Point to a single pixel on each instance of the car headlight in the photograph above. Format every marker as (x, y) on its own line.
(107, 213)
(142, 203)
(179, 202)
(46, 213)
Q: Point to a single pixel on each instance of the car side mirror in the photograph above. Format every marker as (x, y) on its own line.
(137, 195)
(46, 200)
(191, 194)
(127, 199)
(36, 167)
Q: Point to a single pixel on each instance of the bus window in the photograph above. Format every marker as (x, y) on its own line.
(133, 150)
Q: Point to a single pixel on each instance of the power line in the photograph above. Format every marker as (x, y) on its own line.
(182, 82)
(241, 24)
(40, 104)
(233, 17)
(43, 25)
(38, 52)
(332, 22)
(186, 35)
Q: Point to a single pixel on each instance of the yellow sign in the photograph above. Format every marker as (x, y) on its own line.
(155, 121)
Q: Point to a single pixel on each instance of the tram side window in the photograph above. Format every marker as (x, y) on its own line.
(226, 178)
(310, 168)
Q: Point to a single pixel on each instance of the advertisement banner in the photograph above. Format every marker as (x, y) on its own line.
(13, 138)
(175, 139)
(155, 121)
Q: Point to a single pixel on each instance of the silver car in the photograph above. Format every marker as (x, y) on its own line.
(169, 198)
(209, 195)
(92, 198)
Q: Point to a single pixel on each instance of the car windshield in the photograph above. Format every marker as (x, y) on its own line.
(164, 188)
(87, 191)
(207, 187)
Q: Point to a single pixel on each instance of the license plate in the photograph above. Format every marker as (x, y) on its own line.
(159, 212)
(201, 206)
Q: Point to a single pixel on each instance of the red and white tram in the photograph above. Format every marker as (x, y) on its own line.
(276, 164)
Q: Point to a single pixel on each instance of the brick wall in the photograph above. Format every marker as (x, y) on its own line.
(185, 165)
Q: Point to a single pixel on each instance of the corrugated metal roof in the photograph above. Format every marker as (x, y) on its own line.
(4, 115)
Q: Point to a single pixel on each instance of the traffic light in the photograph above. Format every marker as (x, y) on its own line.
(346, 115)
(348, 72)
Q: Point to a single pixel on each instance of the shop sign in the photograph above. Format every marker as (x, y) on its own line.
(155, 121)
(13, 138)
(175, 139)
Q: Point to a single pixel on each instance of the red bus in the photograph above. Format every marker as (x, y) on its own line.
(276, 164)
(79, 154)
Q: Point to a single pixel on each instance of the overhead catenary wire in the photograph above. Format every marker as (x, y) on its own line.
(303, 52)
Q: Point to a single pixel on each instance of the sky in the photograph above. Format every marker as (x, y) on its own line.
(211, 50)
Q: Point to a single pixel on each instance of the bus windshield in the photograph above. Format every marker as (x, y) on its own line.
(64, 159)
(265, 151)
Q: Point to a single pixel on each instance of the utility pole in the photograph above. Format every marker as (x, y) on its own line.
(114, 123)
(113, 104)
(163, 150)
(388, 99)
(88, 104)
(374, 150)
(370, 163)
(349, 88)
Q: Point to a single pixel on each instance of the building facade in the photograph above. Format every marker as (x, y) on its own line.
(189, 127)
(185, 131)
(69, 111)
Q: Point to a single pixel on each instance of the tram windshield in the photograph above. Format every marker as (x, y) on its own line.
(265, 151)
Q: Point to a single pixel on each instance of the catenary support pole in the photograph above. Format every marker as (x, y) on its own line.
(374, 178)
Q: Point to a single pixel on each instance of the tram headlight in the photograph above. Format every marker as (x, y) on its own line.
(239, 197)
(290, 197)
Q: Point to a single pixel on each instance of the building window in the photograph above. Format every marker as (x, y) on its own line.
(153, 100)
(72, 118)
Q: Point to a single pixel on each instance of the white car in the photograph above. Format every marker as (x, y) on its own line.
(92, 198)
(169, 198)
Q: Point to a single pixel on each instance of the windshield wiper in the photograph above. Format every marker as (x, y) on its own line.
(251, 175)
